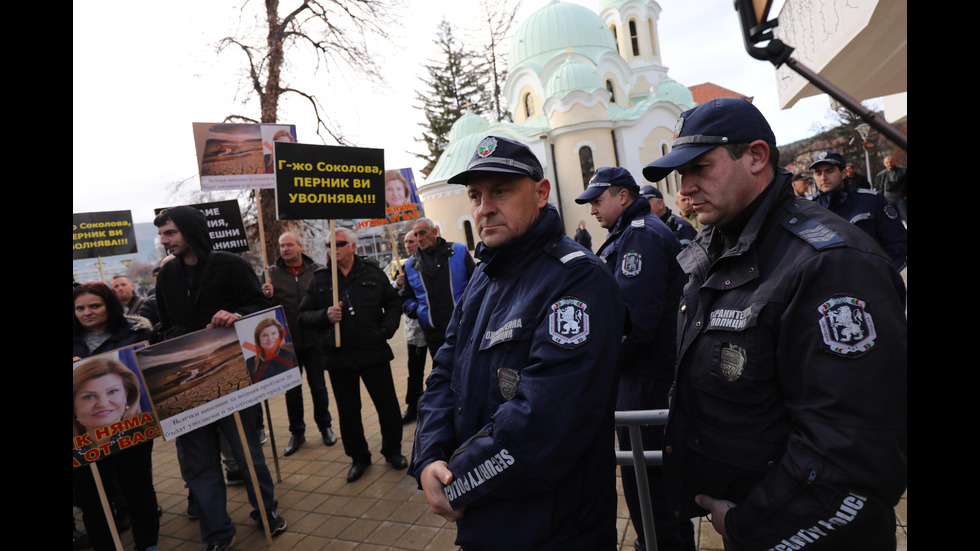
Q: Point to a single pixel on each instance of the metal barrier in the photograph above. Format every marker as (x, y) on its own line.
(639, 459)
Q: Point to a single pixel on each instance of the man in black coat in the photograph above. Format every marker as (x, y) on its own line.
(368, 313)
(789, 412)
(204, 288)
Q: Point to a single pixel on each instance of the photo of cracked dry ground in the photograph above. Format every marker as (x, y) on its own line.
(193, 370)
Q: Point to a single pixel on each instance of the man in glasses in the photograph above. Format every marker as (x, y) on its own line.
(368, 312)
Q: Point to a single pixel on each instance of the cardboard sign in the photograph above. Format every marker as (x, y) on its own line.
(322, 182)
(402, 201)
(106, 233)
(201, 377)
(225, 226)
(238, 156)
(111, 409)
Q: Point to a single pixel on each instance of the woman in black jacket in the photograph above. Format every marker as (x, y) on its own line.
(98, 325)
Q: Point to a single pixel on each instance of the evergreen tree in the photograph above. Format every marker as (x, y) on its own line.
(452, 87)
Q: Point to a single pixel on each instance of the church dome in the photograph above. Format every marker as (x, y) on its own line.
(555, 28)
(675, 92)
(573, 75)
(468, 123)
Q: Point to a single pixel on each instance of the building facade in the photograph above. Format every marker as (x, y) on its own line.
(586, 90)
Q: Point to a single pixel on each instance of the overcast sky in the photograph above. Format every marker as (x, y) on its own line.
(144, 71)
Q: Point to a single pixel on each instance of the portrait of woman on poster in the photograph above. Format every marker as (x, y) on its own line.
(271, 358)
(104, 392)
(397, 190)
(280, 136)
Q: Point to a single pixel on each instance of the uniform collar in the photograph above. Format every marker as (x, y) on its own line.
(637, 209)
(516, 255)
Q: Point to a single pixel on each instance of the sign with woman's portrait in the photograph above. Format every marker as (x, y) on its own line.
(111, 409)
(200, 377)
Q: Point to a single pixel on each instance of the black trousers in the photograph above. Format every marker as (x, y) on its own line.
(416, 375)
(347, 392)
(132, 469)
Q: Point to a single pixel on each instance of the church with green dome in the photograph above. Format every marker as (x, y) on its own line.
(586, 90)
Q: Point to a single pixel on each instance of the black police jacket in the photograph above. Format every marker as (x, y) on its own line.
(791, 392)
(520, 400)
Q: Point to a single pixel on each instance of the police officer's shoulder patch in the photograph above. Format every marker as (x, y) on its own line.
(890, 212)
(846, 326)
(638, 223)
(632, 264)
(568, 322)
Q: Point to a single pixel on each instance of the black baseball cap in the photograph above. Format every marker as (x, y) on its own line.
(830, 156)
(651, 192)
(603, 179)
(496, 154)
(720, 121)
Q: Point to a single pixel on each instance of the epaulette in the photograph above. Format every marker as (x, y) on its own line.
(566, 251)
(868, 191)
(638, 223)
(811, 231)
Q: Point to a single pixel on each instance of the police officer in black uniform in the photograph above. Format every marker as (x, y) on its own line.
(861, 207)
(683, 230)
(641, 254)
(788, 422)
(514, 440)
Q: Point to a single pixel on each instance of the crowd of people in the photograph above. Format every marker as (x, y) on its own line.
(769, 319)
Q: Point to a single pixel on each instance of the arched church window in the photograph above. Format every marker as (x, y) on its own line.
(634, 39)
(588, 166)
(528, 105)
(615, 38)
(612, 93)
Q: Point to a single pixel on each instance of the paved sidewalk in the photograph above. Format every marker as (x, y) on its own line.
(381, 511)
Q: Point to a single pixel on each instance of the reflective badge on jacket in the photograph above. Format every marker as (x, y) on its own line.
(846, 326)
(568, 322)
(733, 358)
(507, 381)
(632, 264)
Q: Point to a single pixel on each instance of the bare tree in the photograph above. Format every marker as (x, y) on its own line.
(499, 18)
(336, 32)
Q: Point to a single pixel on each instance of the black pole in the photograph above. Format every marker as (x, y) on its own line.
(777, 53)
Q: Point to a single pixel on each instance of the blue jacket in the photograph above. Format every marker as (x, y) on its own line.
(641, 254)
(870, 212)
(520, 399)
(421, 297)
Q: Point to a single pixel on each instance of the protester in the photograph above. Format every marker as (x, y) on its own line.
(206, 288)
(289, 277)
(367, 312)
(99, 326)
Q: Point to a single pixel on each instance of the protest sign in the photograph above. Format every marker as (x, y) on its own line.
(319, 182)
(111, 409)
(238, 156)
(225, 226)
(106, 233)
(203, 376)
(402, 201)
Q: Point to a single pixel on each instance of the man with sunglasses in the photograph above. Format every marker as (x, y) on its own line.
(368, 312)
